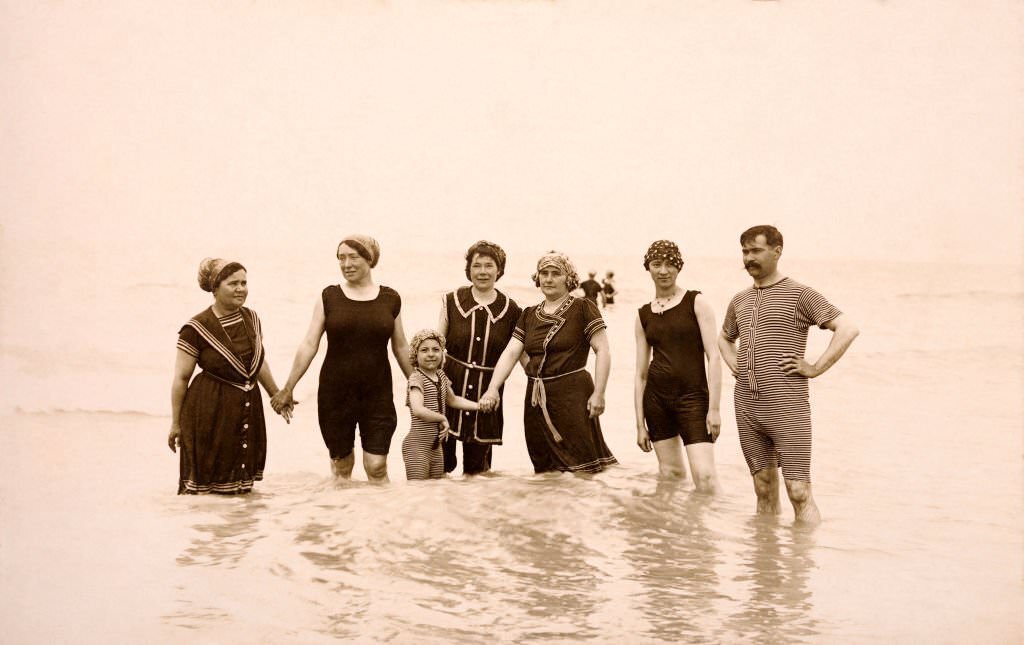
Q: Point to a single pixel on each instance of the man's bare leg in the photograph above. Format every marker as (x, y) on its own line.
(766, 486)
(804, 508)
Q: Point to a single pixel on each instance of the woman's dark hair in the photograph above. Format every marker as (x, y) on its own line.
(489, 250)
(229, 268)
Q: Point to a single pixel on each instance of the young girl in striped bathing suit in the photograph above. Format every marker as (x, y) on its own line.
(428, 396)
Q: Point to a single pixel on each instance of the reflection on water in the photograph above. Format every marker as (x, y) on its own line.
(226, 542)
(549, 575)
(778, 559)
(618, 556)
(673, 555)
(555, 557)
(222, 543)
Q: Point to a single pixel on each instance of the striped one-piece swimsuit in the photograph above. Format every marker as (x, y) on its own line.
(421, 448)
(773, 411)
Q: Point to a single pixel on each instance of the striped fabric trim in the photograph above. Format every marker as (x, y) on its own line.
(558, 321)
(593, 327)
(494, 317)
(595, 466)
(184, 346)
(257, 335)
(228, 488)
(220, 347)
(231, 319)
(226, 352)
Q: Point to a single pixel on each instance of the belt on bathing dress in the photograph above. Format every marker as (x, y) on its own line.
(248, 385)
(469, 366)
(540, 398)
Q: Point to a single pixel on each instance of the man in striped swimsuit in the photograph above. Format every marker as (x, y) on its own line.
(773, 412)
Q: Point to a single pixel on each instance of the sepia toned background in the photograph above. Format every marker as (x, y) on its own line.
(883, 138)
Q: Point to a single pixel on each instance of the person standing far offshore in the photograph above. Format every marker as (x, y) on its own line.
(773, 412)
(608, 290)
(591, 288)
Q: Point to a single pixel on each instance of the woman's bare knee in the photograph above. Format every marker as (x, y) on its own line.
(376, 466)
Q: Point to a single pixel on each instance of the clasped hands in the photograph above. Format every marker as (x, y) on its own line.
(489, 401)
(284, 404)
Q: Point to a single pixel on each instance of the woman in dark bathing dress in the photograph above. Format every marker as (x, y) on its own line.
(218, 419)
(477, 322)
(360, 318)
(563, 402)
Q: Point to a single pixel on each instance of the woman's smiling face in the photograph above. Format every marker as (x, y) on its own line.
(483, 271)
(354, 267)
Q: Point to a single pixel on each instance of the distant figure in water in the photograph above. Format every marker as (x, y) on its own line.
(476, 322)
(608, 291)
(360, 318)
(591, 287)
(428, 395)
(773, 412)
(218, 419)
(563, 403)
(675, 396)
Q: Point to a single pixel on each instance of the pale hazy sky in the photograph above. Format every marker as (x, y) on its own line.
(862, 129)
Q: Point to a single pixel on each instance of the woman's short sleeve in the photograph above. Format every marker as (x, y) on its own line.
(396, 303)
(592, 320)
(189, 341)
(514, 309)
(519, 333)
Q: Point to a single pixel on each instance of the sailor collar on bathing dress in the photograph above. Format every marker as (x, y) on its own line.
(466, 304)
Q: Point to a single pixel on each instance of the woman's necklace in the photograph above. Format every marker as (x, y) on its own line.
(661, 304)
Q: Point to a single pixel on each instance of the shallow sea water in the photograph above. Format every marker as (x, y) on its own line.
(916, 467)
